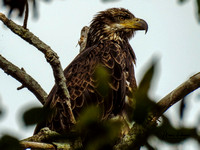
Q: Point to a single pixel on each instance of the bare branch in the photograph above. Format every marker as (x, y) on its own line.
(179, 93)
(51, 57)
(37, 145)
(24, 78)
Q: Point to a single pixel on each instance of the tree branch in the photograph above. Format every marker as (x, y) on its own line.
(51, 57)
(36, 145)
(179, 93)
(24, 78)
(138, 133)
(26, 15)
(45, 134)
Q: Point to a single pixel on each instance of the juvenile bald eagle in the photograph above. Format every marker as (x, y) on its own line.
(107, 46)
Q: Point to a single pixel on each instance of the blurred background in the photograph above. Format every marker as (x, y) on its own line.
(173, 38)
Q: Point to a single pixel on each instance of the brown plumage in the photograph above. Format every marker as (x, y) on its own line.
(108, 47)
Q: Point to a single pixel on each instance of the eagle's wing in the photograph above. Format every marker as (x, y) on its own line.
(82, 86)
(78, 76)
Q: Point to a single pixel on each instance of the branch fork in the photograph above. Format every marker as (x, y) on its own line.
(51, 57)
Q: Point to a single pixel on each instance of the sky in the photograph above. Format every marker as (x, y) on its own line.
(172, 38)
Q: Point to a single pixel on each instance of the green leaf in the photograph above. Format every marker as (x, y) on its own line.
(101, 77)
(1, 109)
(146, 81)
(97, 134)
(170, 134)
(182, 108)
(142, 104)
(1, 113)
(89, 116)
(181, 1)
(198, 7)
(8, 142)
(35, 115)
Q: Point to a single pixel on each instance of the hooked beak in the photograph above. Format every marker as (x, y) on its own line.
(137, 24)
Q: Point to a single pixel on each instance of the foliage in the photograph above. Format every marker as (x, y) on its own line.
(143, 104)
(34, 115)
(97, 134)
(1, 112)
(170, 134)
(19, 5)
(8, 142)
(198, 8)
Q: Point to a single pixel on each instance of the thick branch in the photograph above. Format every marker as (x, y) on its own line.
(179, 93)
(51, 57)
(136, 137)
(24, 78)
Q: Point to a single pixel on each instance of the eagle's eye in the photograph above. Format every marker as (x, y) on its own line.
(121, 18)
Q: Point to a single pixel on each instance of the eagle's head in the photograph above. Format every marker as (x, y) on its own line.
(114, 24)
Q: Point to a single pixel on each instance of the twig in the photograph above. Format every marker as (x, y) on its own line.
(24, 78)
(26, 15)
(136, 137)
(21, 87)
(51, 57)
